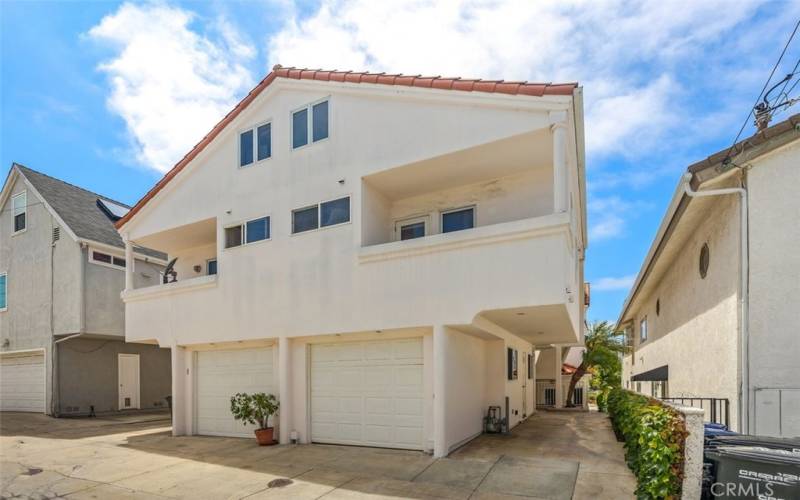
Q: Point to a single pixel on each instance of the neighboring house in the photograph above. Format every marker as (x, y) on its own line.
(712, 313)
(548, 394)
(382, 252)
(62, 269)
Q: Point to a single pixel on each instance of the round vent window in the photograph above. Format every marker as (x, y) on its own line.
(704, 258)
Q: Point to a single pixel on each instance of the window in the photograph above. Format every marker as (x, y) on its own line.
(211, 266)
(255, 144)
(3, 291)
(658, 307)
(248, 232)
(705, 258)
(107, 259)
(643, 330)
(310, 122)
(456, 220)
(329, 213)
(19, 204)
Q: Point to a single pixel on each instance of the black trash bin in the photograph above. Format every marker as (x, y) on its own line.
(788, 444)
(753, 472)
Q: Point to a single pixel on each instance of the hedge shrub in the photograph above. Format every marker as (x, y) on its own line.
(654, 435)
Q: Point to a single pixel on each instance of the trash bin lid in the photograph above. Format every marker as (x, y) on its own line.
(791, 444)
(757, 454)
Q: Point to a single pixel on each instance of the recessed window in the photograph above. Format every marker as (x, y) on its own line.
(248, 232)
(658, 307)
(211, 266)
(705, 258)
(3, 291)
(107, 259)
(310, 122)
(255, 144)
(329, 213)
(459, 219)
(19, 204)
(643, 329)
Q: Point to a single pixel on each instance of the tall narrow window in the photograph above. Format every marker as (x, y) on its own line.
(20, 211)
(643, 330)
(246, 148)
(300, 128)
(264, 133)
(255, 144)
(310, 124)
(211, 266)
(3, 293)
(320, 121)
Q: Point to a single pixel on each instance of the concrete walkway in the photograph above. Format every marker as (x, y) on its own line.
(552, 455)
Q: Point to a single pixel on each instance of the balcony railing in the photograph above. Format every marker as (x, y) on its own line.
(717, 410)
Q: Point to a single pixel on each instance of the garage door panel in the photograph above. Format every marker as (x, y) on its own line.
(369, 377)
(220, 375)
(22, 383)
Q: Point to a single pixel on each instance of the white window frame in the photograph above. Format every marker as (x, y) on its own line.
(253, 129)
(309, 126)
(244, 243)
(14, 212)
(209, 261)
(111, 265)
(399, 223)
(5, 274)
(459, 209)
(319, 215)
(643, 333)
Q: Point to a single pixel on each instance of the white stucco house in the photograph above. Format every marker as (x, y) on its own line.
(382, 252)
(712, 313)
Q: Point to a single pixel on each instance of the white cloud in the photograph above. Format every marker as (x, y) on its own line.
(613, 284)
(608, 216)
(169, 83)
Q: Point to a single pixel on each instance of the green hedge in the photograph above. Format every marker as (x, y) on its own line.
(654, 435)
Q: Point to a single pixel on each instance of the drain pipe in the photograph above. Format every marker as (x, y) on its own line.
(744, 304)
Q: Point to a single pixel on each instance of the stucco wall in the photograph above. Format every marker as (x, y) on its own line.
(696, 331)
(88, 374)
(467, 387)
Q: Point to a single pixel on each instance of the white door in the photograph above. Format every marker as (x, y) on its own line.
(368, 393)
(128, 368)
(22, 382)
(220, 375)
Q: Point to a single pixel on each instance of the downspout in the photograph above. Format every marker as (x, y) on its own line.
(744, 304)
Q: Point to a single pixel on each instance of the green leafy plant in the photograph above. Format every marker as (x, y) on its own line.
(254, 409)
(601, 359)
(655, 436)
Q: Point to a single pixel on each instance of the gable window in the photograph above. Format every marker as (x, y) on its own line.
(458, 219)
(19, 203)
(329, 213)
(643, 329)
(106, 259)
(255, 144)
(311, 122)
(211, 266)
(3, 291)
(247, 232)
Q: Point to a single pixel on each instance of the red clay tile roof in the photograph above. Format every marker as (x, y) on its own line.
(278, 71)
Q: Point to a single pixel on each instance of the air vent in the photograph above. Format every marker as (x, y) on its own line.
(56, 234)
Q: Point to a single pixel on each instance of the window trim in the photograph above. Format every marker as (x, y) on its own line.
(253, 129)
(309, 125)
(643, 338)
(24, 193)
(442, 213)
(319, 215)
(5, 274)
(111, 265)
(243, 225)
(399, 223)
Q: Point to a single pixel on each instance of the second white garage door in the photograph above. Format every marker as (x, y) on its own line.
(368, 393)
(220, 375)
(22, 382)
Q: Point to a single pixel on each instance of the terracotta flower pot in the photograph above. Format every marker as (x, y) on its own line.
(264, 436)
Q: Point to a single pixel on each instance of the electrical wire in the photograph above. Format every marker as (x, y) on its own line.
(760, 94)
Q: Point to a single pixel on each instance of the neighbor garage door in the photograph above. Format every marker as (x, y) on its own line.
(22, 379)
(220, 375)
(368, 393)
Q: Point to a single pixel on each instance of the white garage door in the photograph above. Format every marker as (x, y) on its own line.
(368, 393)
(22, 379)
(220, 375)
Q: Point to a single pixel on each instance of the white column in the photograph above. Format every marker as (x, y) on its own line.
(179, 374)
(129, 264)
(558, 128)
(439, 391)
(557, 377)
(284, 369)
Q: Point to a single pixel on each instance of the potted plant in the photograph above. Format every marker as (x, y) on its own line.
(256, 409)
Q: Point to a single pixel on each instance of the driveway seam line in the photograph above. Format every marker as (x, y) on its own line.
(485, 476)
(435, 460)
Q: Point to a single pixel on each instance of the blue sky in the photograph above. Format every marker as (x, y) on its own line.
(108, 95)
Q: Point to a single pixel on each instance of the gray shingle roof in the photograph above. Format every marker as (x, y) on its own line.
(79, 209)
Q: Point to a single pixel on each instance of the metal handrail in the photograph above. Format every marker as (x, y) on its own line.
(718, 408)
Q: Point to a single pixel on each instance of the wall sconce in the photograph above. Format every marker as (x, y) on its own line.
(197, 268)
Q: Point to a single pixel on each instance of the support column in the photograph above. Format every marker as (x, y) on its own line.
(284, 396)
(439, 391)
(129, 264)
(179, 374)
(558, 128)
(557, 376)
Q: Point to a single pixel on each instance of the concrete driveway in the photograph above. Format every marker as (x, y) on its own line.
(553, 455)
